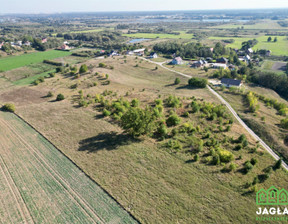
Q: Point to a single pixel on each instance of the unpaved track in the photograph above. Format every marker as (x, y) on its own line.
(256, 137)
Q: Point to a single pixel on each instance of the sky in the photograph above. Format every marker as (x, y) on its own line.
(55, 6)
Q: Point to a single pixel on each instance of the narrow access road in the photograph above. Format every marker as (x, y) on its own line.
(256, 137)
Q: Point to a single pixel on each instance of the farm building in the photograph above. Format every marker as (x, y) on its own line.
(139, 52)
(64, 47)
(222, 60)
(199, 64)
(177, 61)
(113, 53)
(250, 51)
(153, 55)
(219, 65)
(231, 82)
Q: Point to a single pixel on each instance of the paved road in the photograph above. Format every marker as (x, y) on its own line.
(256, 137)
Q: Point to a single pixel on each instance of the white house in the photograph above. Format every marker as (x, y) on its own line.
(153, 55)
(219, 65)
(139, 52)
(129, 52)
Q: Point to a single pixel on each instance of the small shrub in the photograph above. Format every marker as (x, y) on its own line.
(278, 164)
(248, 166)
(106, 113)
(232, 167)
(9, 107)
(254, 161)
(196, 157)
(60, 97)
(177, 81)
(50, 94)
(173, 120)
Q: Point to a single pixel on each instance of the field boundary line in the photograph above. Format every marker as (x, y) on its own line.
(16, 194)
(88, 176)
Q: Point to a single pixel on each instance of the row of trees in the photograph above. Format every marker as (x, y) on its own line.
(190, 50)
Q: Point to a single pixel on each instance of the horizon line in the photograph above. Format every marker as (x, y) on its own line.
(123, 11)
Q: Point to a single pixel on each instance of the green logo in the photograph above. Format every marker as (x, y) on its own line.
(272, 196)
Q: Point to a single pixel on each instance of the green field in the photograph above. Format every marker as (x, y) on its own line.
(259, 25)
(13, 62)
(278, 48)
(29, 80)
(39, 183)
(182, 35)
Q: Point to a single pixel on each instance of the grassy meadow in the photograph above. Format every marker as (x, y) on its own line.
(258, 25)
(183, 35)
(278, 48)
(13, 62)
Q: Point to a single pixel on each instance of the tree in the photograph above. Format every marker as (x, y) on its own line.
(177, 81)
(206, 69)
(60, 97)
(198, 82)
(9, 107)
(275, 39)
(269, 39)
(83, 69)
(278, 164)
(137, 121)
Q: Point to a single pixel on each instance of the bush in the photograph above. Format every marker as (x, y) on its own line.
(177, 81)
(173, 120)
(83, 69)
(196, 157)
(162, 131)
(106, 113)
(135, 103)
(60, 97)
(50, 94)
(198, 82)
(278, 164)
(248, 166)
(52, 74)
(254, 161)
(102, 65)
(9, 107)
(232, 167)
(83, 103)
(60, 69)
(225, 156)
(174, 144)
(284, 123)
